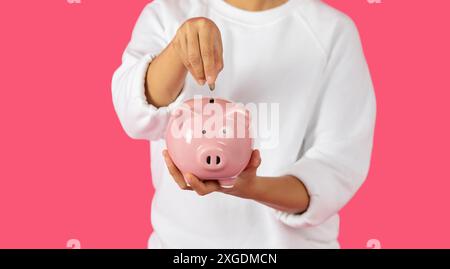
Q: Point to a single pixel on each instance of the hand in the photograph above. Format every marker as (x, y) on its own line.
(244, 186)
(285, 193)
(198, 43)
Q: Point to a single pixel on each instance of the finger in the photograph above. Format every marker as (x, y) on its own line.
(219, 53)
(202, 187)
(212, 185)
(182, 48)
(207, 48)
(174, 172)
(194, 57)
(180, 44)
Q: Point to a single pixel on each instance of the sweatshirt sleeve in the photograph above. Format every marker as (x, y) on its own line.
(338, 143)
(139, 119)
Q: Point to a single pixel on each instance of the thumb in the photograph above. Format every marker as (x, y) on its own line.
(255, 160)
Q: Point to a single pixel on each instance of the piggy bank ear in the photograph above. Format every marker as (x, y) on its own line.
(240, 113)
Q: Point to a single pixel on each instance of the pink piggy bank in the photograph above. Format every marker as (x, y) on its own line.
(210, 138)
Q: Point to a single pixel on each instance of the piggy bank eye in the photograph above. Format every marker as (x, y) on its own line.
(204, 132)
(225, 132)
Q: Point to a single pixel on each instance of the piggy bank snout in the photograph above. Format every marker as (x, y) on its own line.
(211, 158)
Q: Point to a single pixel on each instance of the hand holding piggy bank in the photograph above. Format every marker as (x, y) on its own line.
(210, 138)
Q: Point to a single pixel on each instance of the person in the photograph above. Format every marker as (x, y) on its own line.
(304, 56)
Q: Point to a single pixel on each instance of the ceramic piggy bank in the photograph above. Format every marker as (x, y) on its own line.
(210, 138)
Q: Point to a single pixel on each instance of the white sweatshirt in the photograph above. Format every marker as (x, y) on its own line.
(304, 56)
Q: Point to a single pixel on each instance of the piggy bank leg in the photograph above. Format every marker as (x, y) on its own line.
(227, 183)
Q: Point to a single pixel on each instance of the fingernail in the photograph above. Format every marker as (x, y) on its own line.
(188, 182)
(212, 86)
(201, 82)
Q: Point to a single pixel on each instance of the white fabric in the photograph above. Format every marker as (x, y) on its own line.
(303, 55)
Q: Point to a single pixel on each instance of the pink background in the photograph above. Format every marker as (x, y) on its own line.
(67, 170)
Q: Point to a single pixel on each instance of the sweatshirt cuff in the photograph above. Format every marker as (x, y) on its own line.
(315, 177)
(140, 75)
(144, 120)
